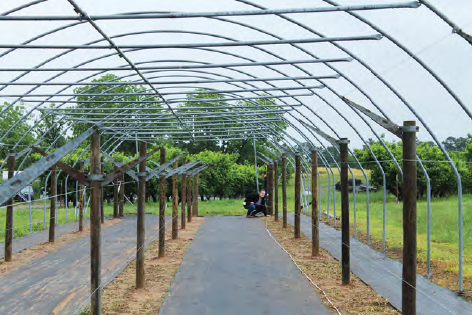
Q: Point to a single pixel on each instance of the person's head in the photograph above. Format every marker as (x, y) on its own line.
(264, 174)
(262, 193)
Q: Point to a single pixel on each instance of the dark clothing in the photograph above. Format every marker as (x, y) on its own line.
(265, 184)
(253, 209)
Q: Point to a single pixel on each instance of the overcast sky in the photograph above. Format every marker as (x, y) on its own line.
(419, 30)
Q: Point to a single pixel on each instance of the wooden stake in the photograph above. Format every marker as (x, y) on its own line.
(52, 205)
(95, 237)
(409, 218)
(297, 195)
(183, 198)
(276, 192)
(162, 207)
(81, 199)
(175, 203)
(115, 197)
(140, 233)
(9, 218)
(315, 223)
(270, 189)
(122, 195)
(189, 198)
(284, 191)
(195, 196)
(345, 237)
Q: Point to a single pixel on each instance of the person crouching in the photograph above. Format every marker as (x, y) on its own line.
(255, 203)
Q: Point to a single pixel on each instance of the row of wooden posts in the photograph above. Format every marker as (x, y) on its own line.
(188, 210)
(409, 209)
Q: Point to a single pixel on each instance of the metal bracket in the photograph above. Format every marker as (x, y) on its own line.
(410, 128)
(95, 177)
(383, 122)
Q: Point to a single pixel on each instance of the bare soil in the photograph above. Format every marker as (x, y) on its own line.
(325, 271)
(43, 249)
(121, 295)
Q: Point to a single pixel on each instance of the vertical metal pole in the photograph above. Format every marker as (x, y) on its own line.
(297, 195)
(329, 196)
(270, 188)
(189, 198)
(345, 248)
(95, 238)
(409, 218)
(9, 218)
(162, 206)
(195, 196)
(102, 197)
(284, 191)
(276, 191)
(140, 233)
(81, 199)
(255, 163)
(115, 197)
(315, 223)
(334, 197)
(319, 195)
(428, 198)
(52, 207)
(122, 195)
(65, 195)
(183, 196)
(175, 203)
(76, 200)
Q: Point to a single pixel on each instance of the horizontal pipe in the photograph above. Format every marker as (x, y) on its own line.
(176, 15)
(198, 45)
(154, 108)
(175, 82)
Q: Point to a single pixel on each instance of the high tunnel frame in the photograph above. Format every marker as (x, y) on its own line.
(165, 79)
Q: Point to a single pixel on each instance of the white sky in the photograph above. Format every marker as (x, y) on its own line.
(419, 30)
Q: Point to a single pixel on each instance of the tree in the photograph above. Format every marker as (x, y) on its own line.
(8, 119)
(51, 129)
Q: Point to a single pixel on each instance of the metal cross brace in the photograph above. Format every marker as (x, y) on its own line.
(197, 170)
(120, 164)
(383, 122)
(266, 157)
(162, 168)
(181, 169)
(12, 186)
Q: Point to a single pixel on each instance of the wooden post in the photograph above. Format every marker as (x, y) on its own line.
(276, 191)
(195, 196)
(162, 207)
(95, 238)
(9, 218)
(270, 189)
(122, 195)
(315, 223)
(345, 245)
(284, 191)
(81, 199)
(115, 197)
(102, 197)
(52, 206)
(189, 198)
(140, 233)
(297, 195)
(175, 203)
(183, 198)
(409, 218)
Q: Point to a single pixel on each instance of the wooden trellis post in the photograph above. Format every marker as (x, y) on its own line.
(175, 203)
(276, 192)
(189, 198)
(115, 198)
(409, 218)
(81, 198)
(297, 195)
(270, 189)
(140, 233)
(183, 197)
(95, 237)
(52, 205)
(195, 196)
(9, 218)
(162, 206)
(345, 237)
(122, 195)
(284, 191)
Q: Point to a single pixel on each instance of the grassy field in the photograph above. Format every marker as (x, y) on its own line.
(444, 220)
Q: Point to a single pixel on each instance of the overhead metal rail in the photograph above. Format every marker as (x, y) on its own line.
(81, 17)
